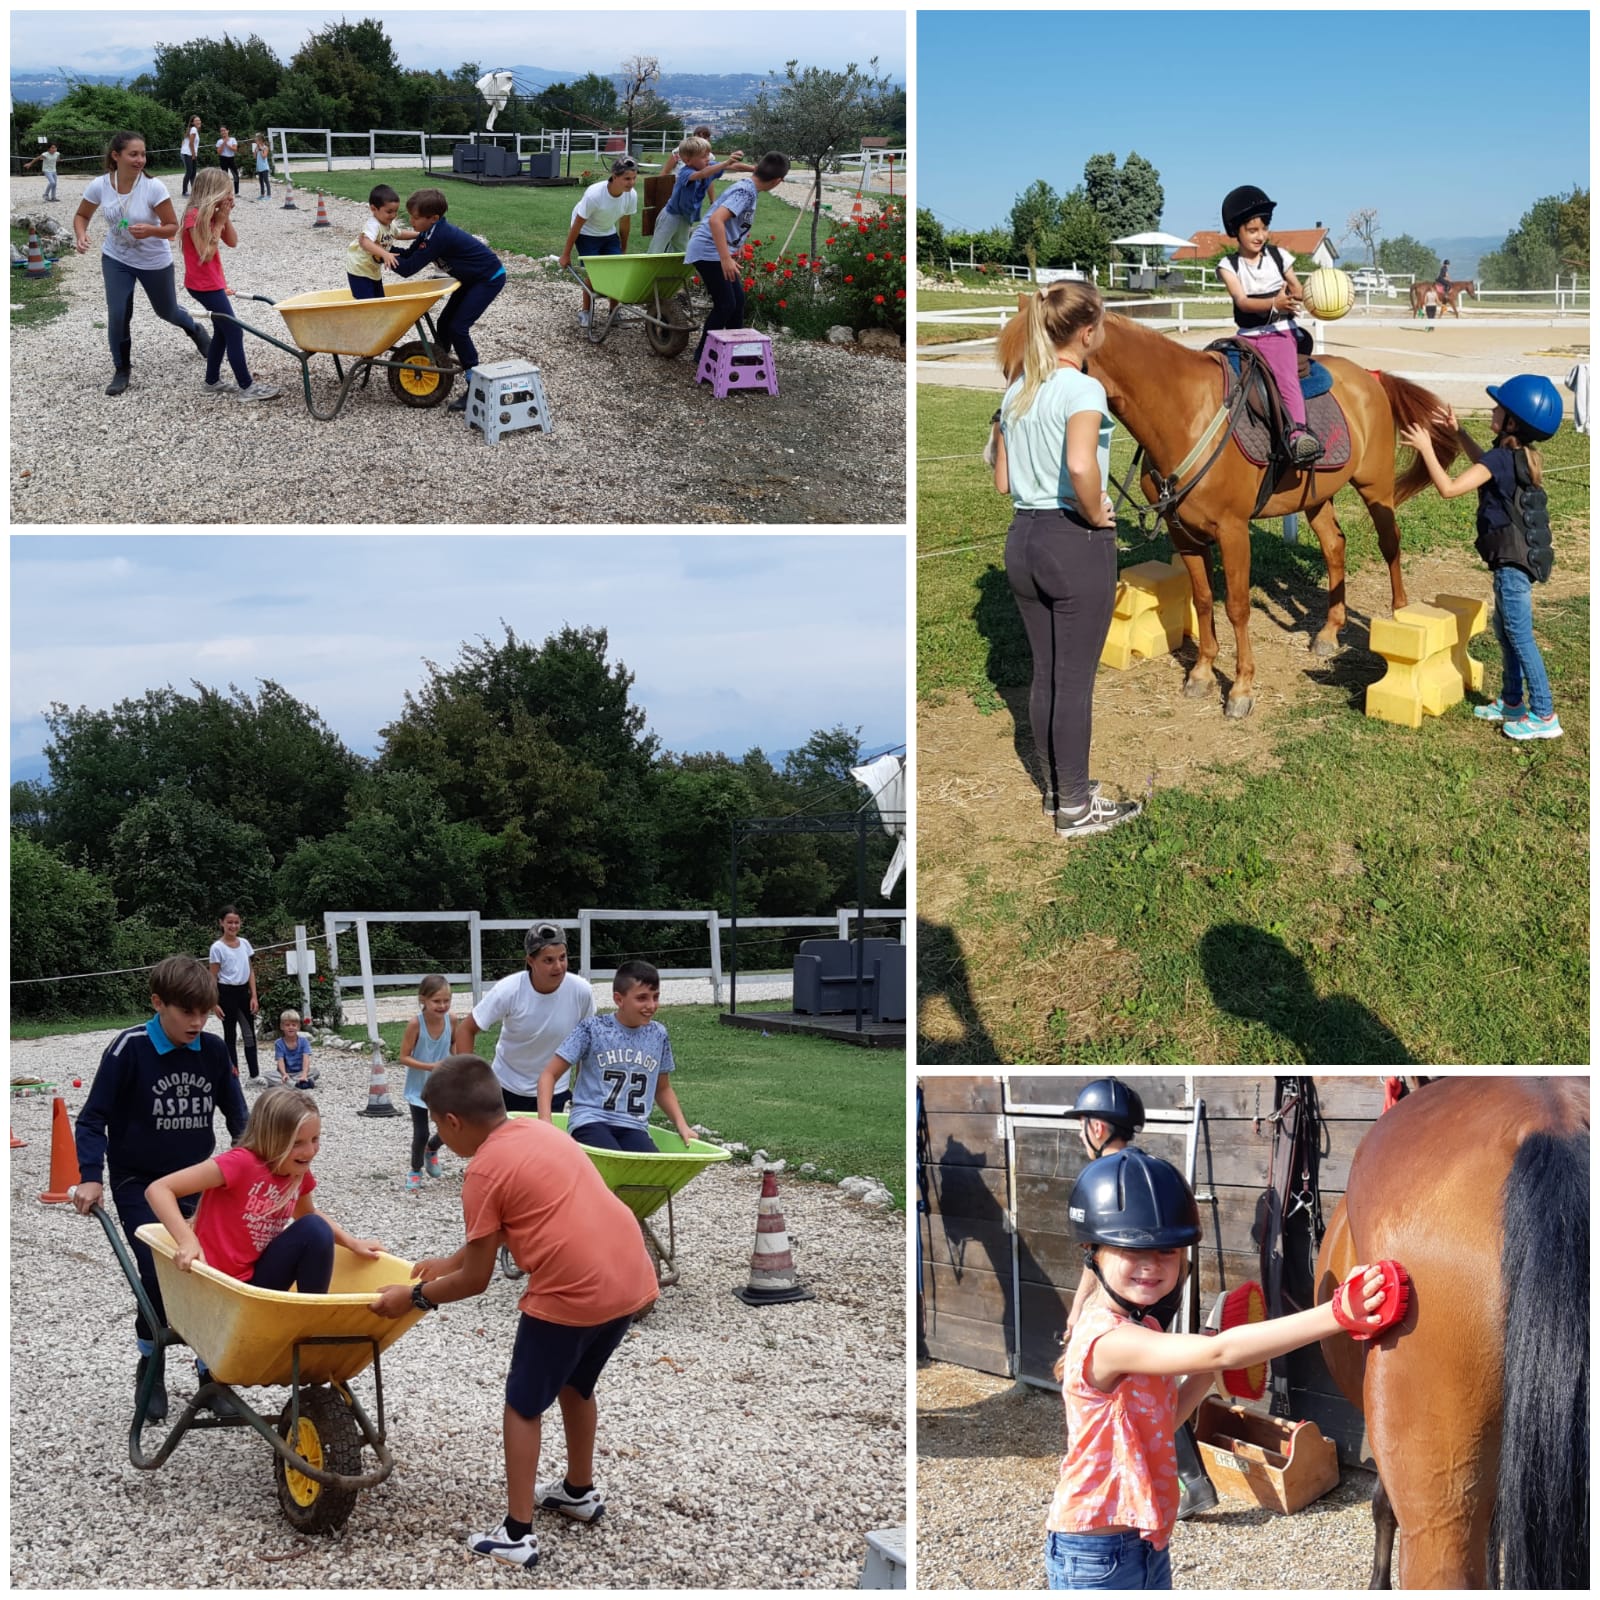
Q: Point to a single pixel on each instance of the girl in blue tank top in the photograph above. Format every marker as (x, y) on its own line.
(425, 1045)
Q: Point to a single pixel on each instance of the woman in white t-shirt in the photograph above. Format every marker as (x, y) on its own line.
(531, 1007)
(191, 153)
(140, 222)
(601, 220)
(228, 156)
(232, 965)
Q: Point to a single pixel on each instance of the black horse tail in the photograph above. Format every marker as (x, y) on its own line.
(1539, 1535)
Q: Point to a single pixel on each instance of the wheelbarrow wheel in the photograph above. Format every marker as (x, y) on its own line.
(413, 378)
(673, 338)
(328, 1438)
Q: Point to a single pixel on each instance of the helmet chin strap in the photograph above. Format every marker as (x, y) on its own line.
(1138, 1313)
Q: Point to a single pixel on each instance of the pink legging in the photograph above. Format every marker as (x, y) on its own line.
(1278, 350)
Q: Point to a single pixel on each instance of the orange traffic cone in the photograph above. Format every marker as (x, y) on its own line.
(38, 267)
(378, 1102)
(772, 1279)
(322, 213)
(63, 1155)
(16, 1143)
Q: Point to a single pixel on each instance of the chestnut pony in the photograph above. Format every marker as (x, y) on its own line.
(1165, 395)
(1477, 1403)
(1449, 301)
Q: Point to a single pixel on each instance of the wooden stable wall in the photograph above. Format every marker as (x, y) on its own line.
(996, 1162)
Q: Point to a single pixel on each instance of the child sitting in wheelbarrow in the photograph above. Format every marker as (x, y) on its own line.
(532, 1189)
(465, 258)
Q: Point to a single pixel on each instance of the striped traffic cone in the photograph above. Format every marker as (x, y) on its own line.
(772, 1279)
(288, 197)
(16, 1143)
(322, 213)
(378, 1102)
(63, 1156)
(38, 267)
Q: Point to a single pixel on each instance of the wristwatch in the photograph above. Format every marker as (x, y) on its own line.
(420, 1300)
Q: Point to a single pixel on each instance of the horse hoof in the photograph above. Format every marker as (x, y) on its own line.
(1196, 688)
(1239, 705)
(1324, 646)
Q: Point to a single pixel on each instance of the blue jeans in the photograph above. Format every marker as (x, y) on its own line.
(608, 1136)
(301, 1255)
(461, 310)
(160, 288)
(364, 288)
(1513, 627)
(1105, 1561)
(227, 339)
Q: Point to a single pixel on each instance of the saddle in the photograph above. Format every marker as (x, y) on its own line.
(1262, 429)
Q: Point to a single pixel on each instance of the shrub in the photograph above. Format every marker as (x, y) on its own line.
(277, 992)
(860, 282)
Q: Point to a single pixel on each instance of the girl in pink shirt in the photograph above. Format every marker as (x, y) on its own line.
(257, 1221)
(1124, 1382)
(208, 224)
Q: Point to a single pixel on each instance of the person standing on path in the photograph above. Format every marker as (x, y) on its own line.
(228, 156)
(233, 966)
(537, 1010)
(191, 153)
(47, 160)
(140, 223)
(263, 154)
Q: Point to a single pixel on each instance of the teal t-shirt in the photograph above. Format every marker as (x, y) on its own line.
(1036, 443)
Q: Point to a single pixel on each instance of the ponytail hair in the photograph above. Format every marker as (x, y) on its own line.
(1052, 317)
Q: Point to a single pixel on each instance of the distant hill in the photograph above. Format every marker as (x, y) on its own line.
(1464, 254)
(45, 88)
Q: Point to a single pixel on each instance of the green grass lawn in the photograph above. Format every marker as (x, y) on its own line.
(1377, 896)
(529, 221)
(34, 301)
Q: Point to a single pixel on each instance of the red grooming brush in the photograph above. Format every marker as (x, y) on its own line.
(1396, 1298)
(1240, 1306)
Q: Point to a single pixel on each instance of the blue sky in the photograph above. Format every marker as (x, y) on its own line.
(749, 639)
(1330, 114)
(430, 35)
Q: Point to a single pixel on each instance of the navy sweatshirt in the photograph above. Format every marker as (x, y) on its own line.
(454, 250)
(153, 1103)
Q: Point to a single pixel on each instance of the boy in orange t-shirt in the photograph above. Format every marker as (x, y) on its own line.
(535, 1190)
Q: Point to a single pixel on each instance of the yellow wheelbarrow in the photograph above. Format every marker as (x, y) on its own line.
(252, 1338)
(367, 332)
(652, 289)
(644, 1182)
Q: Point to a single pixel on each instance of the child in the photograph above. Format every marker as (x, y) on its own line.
(257, 1222)
(207, 223)
(1117, 1496)
(619, 1066)
(482, 277)
(228, 157)
(370, 252)
(150, 1111)
(601, 221)
(588, 1276)
(425, 1044)
(1527, 409)
(293, 1054)
(713, 245)
(46, 160)
(679, 217)
(702, 132)
(263, 153)
(1265, 291)
(232, 965)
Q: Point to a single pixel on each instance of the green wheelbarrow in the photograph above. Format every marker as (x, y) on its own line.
(652, 289)
(645, 1182)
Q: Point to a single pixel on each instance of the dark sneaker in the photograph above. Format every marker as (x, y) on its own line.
(458, 404)
(500, 1546)
(1050, 799)
(220, 1405)
(158, 1399)
(1099, 816)
(1304, 447)
(119, 381)
(553, 1496)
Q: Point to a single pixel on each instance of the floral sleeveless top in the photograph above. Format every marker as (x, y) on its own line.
(1121, 1465)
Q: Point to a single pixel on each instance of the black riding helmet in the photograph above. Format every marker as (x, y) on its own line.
(1135, 1202)
(1110, 1100)
(1243, 203)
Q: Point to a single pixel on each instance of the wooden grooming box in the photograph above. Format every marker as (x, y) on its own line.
(1277, 1464)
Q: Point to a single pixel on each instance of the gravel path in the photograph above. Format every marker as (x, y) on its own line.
(988, 1452)
(635, 439)
(737, 1447)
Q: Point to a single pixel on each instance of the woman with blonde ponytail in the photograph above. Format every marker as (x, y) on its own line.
(1053, 457)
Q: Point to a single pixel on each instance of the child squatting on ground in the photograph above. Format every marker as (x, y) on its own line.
(208, 224)
(1527, 409)
(534, 1190)
(150, 1112)
(425, 1043)
(371, 251)
(293, 1054)
(619, 1068)
(1116, 1499)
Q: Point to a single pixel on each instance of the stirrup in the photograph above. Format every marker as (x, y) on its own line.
(1396, 1299)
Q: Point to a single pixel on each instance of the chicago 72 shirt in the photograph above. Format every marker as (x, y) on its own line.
(614, 1071)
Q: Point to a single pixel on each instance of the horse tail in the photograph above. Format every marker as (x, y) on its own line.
(1539, 1534)
(1411, 404)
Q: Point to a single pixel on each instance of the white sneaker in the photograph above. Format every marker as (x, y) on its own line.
(500, 1546)
(553, 1496)
(1099, 816)
(584, 319)
(221, 386)
(260, 391)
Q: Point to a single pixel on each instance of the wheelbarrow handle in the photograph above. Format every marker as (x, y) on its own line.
(265, 299)
(130, 1268)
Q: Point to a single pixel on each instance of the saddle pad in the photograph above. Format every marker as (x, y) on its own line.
(1323, 417)
(1317, 381)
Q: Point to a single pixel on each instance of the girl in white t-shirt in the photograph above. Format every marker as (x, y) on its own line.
(228, 156)
(191, 152)
(232, 965)
(140, 223)
(601, 220)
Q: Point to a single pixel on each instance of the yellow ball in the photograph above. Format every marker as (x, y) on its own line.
(1329, 294)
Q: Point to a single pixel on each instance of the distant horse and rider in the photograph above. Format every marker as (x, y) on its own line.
(1446, 295)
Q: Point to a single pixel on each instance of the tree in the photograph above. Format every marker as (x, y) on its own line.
(247, 68)
(60, 916)
(1551, 238)
(299, 103)
(1035, 215)
(1403, 254)
(591, 102)
(176, 859)
(354, 64)
(932, 246)
(1572, 232)
(1127, 200)
(640, 74)
(83, 121)
(815, 116)
(1080, 238)
(1363, 225)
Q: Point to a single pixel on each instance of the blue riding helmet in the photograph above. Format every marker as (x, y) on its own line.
(1110, 1100)
(1134, 1201)
(1243, 203)
(1532, 400)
